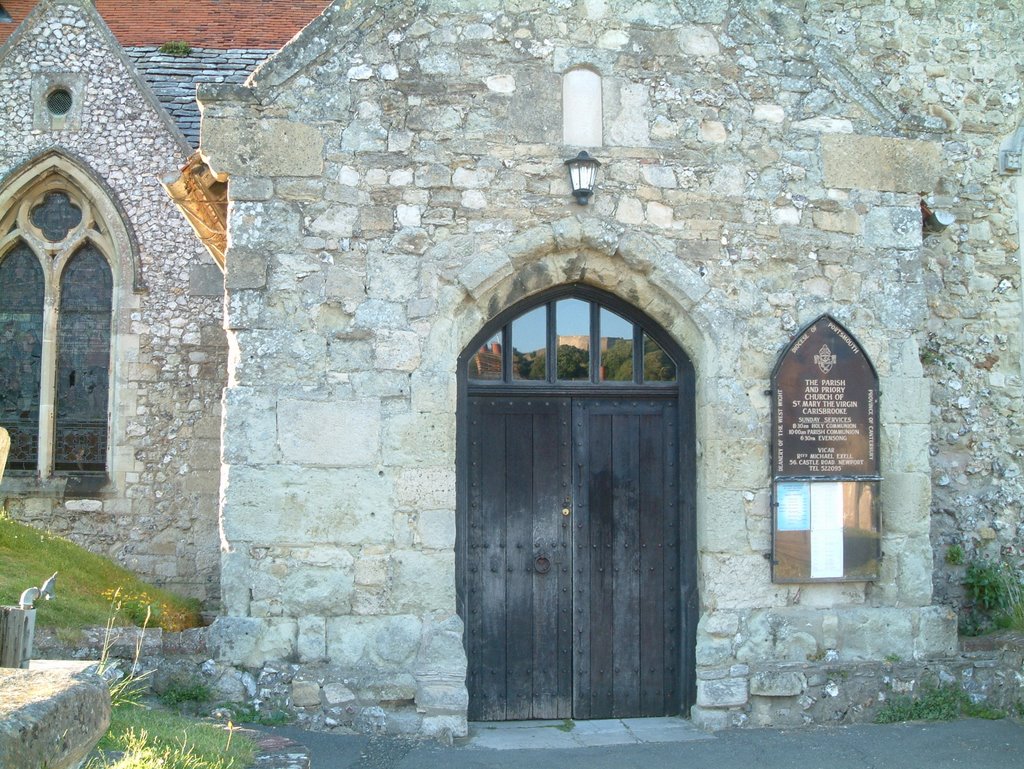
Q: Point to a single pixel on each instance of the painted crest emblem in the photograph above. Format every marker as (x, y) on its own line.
(825, 359)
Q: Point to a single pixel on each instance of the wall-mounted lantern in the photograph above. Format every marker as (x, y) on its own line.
(582, 175)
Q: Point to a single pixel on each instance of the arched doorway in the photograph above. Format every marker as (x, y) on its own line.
(576, 554)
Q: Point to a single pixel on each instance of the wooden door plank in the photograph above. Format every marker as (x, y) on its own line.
(674, 648)
(625, 566)
(475, 562)
(581, 570)
(549, 464)
(563, 586)
(519, 490)
(652, 550)
(602, 586)
(492, 605)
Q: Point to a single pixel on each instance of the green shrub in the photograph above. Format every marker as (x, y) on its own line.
(955, 555)
(1014, 607)
(986, 585)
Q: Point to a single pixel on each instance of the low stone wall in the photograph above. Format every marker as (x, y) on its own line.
(50, 718)
(784, 694)
(990, 670)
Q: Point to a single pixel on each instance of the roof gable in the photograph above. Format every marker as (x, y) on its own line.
(59, 8)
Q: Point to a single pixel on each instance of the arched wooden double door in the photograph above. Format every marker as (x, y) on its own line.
(577, 580)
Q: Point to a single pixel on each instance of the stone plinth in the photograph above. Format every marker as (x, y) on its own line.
(50, 718)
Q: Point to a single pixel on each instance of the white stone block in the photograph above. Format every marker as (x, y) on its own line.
(436, 529)
(329, 433)
(500, 83)
(697, 41)
(722, 692)
(296, 504)
(426, 488)
(774, 683)
(83, 505)
(769, 113)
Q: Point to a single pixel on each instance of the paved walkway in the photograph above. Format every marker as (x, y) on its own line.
(676, 744)
(561, 735)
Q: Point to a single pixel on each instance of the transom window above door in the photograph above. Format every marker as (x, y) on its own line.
(588, 342)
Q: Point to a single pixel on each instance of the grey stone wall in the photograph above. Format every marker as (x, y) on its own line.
(158, 515)
(397, 179)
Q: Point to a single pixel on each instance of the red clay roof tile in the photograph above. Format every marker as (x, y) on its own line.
(201, 23)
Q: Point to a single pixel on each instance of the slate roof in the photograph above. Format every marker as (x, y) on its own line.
(229, 39)
(173, 79)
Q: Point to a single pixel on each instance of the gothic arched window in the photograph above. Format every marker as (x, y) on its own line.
(83, 364)
(56, 313)
(22, 290)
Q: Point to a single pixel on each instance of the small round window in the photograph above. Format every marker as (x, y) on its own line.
(59, 101)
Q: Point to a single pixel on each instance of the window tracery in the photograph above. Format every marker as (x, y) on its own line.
(56, 310)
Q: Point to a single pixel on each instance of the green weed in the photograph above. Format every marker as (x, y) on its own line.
(181, 692)
(176, 48)
(269, 715)
(955, 555)
(157, 739)
(934, 703)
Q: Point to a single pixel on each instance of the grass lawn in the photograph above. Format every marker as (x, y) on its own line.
(160, 739)
(149, 738)
(85, 584)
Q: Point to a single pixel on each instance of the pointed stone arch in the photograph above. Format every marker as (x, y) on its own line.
(105, 221)
(648, 272)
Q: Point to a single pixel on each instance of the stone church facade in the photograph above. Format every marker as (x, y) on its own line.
(426, 441)
(399, 207)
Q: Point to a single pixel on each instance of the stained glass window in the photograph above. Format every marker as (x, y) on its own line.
(83, 364)
(21, 339)
(56, 216)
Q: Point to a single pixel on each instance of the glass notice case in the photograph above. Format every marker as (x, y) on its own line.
(825, 481)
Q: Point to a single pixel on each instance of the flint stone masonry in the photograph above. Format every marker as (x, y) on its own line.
(50, 719)
(400, 181)
(157, 514)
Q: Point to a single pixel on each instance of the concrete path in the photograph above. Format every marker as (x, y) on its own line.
(675, 744)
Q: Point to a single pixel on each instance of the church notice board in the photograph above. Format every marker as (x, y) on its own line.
(825, 468)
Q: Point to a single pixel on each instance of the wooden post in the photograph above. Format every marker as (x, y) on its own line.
(17, 630)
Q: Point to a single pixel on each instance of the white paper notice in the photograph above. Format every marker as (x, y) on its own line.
(826, 530)
(826, 506)
(794, 507)
(826, 553)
